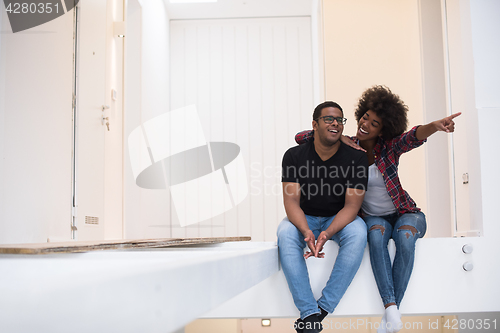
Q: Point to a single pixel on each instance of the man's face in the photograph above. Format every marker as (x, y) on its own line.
(328, 134)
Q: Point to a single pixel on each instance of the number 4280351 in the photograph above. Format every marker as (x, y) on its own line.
(32, 8)
(472, 324)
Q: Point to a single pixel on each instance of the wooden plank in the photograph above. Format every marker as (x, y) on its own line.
(85, 246)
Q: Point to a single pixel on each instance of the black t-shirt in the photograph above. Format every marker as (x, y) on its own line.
(324, 183)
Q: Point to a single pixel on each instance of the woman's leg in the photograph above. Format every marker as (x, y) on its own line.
(408, 228)
(379, 233)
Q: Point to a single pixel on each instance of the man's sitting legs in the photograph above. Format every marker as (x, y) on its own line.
(291, 246)
(352, 244)
(352, 240)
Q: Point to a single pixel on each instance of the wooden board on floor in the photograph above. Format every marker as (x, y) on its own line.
(85, 246)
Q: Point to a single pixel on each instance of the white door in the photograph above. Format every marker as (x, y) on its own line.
(466, 165)
(93, 106)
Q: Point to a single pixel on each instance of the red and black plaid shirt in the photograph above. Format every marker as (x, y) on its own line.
(387, 155)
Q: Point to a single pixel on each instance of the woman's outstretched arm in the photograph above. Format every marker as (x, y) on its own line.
(446, 125)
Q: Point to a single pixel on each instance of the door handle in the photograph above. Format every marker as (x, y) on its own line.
(107, 121)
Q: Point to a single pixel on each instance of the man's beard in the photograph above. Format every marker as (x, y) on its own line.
(325, 142)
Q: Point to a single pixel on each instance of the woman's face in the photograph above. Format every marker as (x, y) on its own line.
(369, 126)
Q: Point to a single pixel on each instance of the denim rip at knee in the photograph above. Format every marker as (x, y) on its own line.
(392, 282)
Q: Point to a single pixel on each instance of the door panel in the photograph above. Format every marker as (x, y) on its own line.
(90, 131)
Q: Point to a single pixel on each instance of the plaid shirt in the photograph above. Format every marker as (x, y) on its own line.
(387, 155)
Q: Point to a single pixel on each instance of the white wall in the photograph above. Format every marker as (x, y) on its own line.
(144, 208)
(378, 42)
(35, 131)
(318, 60)
(251, 80)
(486, 51)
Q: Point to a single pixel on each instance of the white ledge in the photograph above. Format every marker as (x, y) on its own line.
(161, 290)
(438, 286)
(158, 290)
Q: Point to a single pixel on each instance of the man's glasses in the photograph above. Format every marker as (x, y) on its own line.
(330, 119)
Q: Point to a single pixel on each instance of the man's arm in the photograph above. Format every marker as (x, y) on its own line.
(353, 200)
(291, 200)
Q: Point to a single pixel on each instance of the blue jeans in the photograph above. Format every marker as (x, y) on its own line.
(392, 282)
(291, 244)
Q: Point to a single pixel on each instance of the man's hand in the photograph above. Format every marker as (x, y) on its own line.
(322, 238)
(318, 247)
(310, 240)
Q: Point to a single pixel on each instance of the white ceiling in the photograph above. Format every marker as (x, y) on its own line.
(239, 8)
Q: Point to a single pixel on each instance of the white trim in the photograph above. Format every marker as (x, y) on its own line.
(450, 111)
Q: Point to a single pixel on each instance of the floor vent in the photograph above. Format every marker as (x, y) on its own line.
(91, 220)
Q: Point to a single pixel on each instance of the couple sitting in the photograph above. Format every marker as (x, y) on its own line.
(328, 180)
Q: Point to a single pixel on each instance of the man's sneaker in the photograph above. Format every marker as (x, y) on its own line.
(299, 326)
(312, 324)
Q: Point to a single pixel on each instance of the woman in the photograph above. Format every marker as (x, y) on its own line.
(387, 209)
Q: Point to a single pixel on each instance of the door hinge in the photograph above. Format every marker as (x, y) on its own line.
(74, 212)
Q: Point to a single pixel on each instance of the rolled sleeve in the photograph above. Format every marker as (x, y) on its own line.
(406, 141)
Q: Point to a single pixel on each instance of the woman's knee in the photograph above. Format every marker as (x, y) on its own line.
(412, 224)
(378, 230)
(377, 236)
(405, 238)
(377, 222)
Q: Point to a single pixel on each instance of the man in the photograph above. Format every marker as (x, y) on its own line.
(324, 182)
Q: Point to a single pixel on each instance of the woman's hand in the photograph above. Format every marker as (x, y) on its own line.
(345, 139)
(447, 124)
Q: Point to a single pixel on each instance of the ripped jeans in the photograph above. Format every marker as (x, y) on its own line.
(405, 229)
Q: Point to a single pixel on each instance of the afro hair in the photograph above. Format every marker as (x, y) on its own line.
(388, 106)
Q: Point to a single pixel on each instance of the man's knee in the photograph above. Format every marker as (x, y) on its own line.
(356, 231)
(287, 232)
